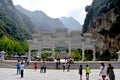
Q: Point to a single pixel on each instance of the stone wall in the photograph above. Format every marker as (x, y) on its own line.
(52, 65)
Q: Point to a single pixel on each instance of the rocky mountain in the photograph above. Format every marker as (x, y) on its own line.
(13, 23)
(103, 20)
(41, 20)
(71, 23)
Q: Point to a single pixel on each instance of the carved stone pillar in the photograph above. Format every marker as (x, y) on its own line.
(69, 42)
(39, 50)
(53, 49)
(29, 54)
(94, 56)
(119, 56)
(83, 54)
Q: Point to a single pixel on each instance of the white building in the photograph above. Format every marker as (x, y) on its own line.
(61, 37)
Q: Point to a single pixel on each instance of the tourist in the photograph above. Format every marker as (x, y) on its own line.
(22, 69)
(43, 67)
(0, 56)
(103, 71)
(27, 61)
(57, 64)
(68, 66)
(35, 66)
(64, 64)
(87, 69)
(80, 72)
(18, 67)
(110, 72)
(58, 59)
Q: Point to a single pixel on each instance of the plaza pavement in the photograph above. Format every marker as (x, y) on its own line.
(31, 74)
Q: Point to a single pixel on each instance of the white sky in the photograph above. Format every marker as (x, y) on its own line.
(57, 8)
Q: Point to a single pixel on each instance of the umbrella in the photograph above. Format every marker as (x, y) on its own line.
(2, 52)
(15, 56)
(23, 56)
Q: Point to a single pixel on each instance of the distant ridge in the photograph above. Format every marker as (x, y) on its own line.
(41, 20)
(46, 24)
(71, 23)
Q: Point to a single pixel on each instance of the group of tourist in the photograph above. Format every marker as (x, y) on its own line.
(20, 68)
(42, 68)
(106, 72)
(87, 69)
(66, 66)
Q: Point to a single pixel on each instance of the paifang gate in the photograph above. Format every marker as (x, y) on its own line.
(61, 37)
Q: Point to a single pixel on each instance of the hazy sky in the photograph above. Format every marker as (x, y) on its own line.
(57, 8)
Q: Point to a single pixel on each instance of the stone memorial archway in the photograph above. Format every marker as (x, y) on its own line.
(62, 38)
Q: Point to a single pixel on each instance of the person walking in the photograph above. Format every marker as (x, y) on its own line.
(110, 72)
(103, 71)
(87, 69)
(18, 67)
(43, 67)
(35, 66)
(27, 61)
(22, 69)
(80, 72)
(57, 64)
(68, 66)
(64, 64)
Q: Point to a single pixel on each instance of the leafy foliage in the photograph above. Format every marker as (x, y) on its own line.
(11, 46)
(46, 55)
(76, 54)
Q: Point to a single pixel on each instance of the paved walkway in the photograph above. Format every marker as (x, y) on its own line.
(30, 74)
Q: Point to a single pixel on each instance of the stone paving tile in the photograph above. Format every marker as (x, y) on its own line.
(30, 74)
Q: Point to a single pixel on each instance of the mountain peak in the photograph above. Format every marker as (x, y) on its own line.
(71, 23)
(6, 5)
(43, 22)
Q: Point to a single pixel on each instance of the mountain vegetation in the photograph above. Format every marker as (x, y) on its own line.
(14, 28)
(13, 23)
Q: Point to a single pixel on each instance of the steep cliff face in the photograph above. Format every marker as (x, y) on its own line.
(100, 29)
(105, 25)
